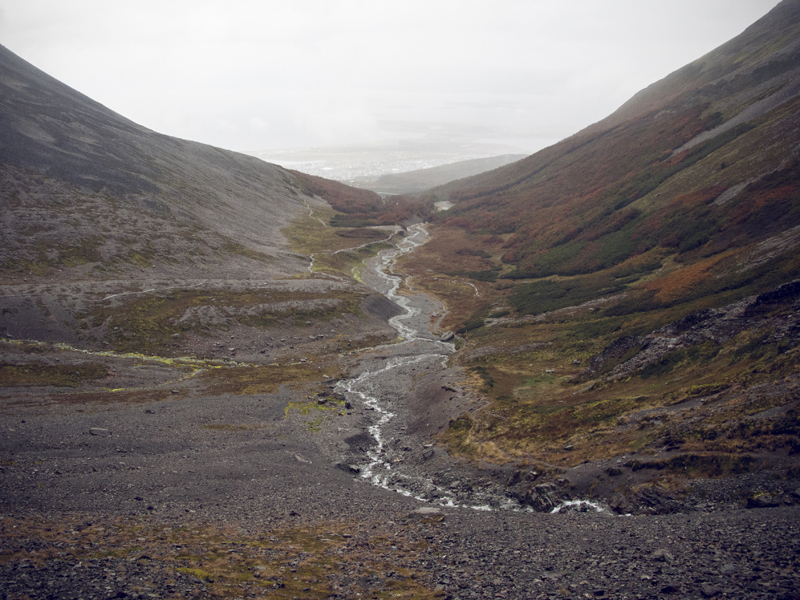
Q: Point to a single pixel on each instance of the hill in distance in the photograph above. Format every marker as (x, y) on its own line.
(412, 182)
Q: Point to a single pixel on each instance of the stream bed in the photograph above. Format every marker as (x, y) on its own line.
(393, 457)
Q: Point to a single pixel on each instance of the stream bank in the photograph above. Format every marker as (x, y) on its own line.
(408, 396)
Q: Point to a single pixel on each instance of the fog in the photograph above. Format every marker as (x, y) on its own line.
(486, 77)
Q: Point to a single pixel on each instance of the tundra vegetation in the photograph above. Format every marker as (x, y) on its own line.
(626, 299)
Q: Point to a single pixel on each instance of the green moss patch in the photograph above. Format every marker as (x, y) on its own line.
(152, 323)
(250, 380)
(43, 374)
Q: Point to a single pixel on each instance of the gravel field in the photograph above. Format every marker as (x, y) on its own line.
(199, 494)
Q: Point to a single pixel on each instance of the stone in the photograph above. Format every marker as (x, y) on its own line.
(709, 590)
(99, 431)
(542, 498)
(662, 555)
(348, 468)
(763, 501)
(516, 476)
(427, 510)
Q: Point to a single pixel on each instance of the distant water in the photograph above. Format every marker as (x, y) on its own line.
(346, 163)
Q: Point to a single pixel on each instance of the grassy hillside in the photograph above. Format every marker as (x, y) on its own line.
(613, 290)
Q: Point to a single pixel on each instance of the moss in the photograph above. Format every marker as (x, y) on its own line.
(231, 247)
(152, 323)
(251, 380)
(56, 254)
(39, 373)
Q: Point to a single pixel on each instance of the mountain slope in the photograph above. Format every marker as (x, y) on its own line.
(698, 164)
(164, 191)
(117, 237)
(644, 263)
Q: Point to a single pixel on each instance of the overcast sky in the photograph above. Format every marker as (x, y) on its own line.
(253, 75)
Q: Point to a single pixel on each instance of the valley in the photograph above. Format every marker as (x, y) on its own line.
(218, 477)
(570, 375)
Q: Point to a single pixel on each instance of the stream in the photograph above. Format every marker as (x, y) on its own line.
(380, 380)
(380, 385)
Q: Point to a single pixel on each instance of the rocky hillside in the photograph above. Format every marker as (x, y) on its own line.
(117, 237)
(699, 163)
(633, 288)
(82, 184)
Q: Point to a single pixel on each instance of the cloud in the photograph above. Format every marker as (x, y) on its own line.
(249, 74)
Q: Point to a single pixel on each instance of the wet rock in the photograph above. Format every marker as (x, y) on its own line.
(531, 476)
(348, 468)
(542, 498)
(516, 476)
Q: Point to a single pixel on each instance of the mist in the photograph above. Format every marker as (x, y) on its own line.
(473, 77)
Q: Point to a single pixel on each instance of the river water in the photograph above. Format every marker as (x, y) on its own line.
(386, 374)
(381, 381)
(386, 377)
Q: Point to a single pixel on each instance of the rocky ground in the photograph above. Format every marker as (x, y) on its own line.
(234, 495)
(180, 484)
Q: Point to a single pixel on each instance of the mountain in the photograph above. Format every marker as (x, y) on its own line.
(111, 231)
(648, 261)
(200, 400)
(712, 137)
(411, 182)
